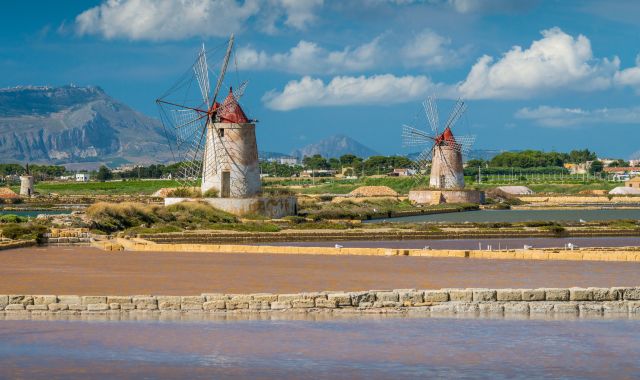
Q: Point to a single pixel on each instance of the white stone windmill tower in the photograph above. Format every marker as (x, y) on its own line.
(443, 151)
(214, 142)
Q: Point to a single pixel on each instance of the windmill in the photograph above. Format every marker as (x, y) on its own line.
(213, 143)
(443, 151)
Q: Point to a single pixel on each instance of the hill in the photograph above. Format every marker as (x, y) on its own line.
(72, 124)
(334, 147)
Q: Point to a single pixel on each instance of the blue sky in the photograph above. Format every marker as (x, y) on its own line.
(536, 74)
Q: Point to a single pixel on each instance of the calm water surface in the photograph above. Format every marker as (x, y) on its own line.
(521, 216)
(495, 243)
(327, 349)
(34, 213)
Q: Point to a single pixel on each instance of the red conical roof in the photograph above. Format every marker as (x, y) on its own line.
(230, 111)
(446, 137)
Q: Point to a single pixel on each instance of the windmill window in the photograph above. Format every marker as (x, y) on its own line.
(221, 132)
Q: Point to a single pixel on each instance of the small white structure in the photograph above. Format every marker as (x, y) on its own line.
(26, 185)
(624, 190)
(82, 177)
(290, 161)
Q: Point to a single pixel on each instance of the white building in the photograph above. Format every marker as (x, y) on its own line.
(291, 161)
(82, 177)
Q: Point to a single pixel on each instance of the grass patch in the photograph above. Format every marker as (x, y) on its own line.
(112, 217)
(94, 188)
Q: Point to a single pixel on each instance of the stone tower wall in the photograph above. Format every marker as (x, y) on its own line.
(231, 148)
(26, 185)
(446, 169)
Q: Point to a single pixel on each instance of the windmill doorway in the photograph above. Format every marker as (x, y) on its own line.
(226, 184)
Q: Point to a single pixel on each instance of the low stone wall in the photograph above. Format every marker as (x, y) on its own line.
(580, 199)
(16, 244)
(586, 254)
(575, 301)
(273, 207)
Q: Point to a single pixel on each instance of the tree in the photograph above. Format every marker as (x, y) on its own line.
(618, 163)
(104, 174)
(315, 162)
(350, 160)
(596, 167)
(475, 163)
(580, 156)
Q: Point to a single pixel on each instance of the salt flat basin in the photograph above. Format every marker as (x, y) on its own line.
(519, 216)
(89, 271)
(495, 243)
(371, 348)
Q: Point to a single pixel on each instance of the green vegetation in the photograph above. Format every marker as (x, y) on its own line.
(104, 174)
(94, 188)
(23, 231)
(370, 209)
(112, 217)
(11, 218)
(536, 158)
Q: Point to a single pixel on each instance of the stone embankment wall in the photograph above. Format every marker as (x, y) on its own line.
(575, 301)
(579, 199)
(68, 236)
(342, 235)
(586, 254)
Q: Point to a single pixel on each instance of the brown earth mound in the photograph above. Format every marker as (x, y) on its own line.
(7, 193)
(374, 191)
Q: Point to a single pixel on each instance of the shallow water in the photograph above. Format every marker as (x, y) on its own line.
(341, 348)
(520, 216)
(495, 243)
(34, 213)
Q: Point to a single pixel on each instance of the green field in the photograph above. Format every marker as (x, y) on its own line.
(305, 186)
(136, 187)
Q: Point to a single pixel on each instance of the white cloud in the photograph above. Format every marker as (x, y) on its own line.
(567, 117)
(178, 19)
(630, 76)
(429, 49)
(346, 90)
(309, 58)
(557, 61)
(300, 13)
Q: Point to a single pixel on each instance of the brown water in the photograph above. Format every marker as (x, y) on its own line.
(89, 271)
(398, 348)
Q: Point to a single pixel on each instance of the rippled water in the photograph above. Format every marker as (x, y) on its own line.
(378, 348)
(521, 216)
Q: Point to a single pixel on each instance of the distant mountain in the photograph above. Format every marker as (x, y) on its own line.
(334, 147)
(263, 155)
(75, 124)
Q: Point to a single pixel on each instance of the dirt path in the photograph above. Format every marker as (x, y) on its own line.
(86, 271)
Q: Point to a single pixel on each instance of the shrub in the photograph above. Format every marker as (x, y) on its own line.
(196, 212)
(185, 192)
(11, 218)
(556, 230)
(24, 232)
(211, 193)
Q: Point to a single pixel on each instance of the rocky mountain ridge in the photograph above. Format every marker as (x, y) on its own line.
(75, 124)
